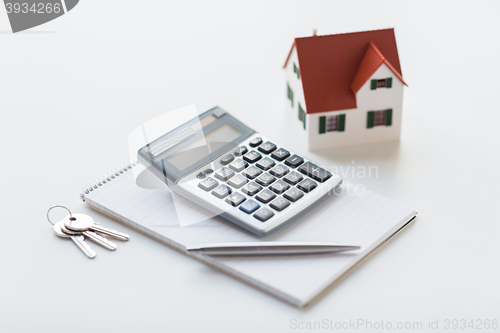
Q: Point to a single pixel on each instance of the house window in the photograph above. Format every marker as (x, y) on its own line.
(381, 83)
(302, 116)
(331, 123)
(296, 70)
(379, 118)
(289, 93)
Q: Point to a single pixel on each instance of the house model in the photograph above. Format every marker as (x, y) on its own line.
(345, 89)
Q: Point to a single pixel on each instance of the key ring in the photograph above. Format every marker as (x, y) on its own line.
(57, 206)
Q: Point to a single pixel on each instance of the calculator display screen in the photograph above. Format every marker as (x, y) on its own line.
(203, 146)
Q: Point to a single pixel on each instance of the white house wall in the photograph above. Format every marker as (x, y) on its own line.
(355, 132)
(298, 96)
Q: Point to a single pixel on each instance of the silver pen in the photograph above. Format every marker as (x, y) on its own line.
(274, 248)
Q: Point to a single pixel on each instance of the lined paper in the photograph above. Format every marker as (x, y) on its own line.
(366, 220)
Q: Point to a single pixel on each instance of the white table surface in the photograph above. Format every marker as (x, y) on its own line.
(72, 90)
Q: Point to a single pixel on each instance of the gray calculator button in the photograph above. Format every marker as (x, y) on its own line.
(265, 196)
(201, 175)
(280, 154)
(226, 159)
(279, 204)
(249, 206)
(238, 181)
(279, 187)
(251, 188)
(255, 142)
(240, 151)
(267, 147)
(238, 165)
(293, 194)
(293, 178)
(208, 184)
(263, 214)
(235, 199)
(252, 156)
(265, 163)
(279, 171)
(294, 161)
(266, 179)
(251, 172)
(307, 185)
(208, 171)
(222, 191)
(315, 172)
(224, 174)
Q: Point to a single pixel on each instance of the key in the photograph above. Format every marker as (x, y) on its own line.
(222, 191)
(238, 181)
(249, 206)
(252, 156)
(266, 163)
(294, 161)
(238, 165)
(251, 188)
(251, 172)
(265, 196)
(279, 187)
(279, 171)
(99, 240)
(226, 159)
(235, 199)
(78, 240)
(293, 178)
(265, 179)
(293, 194)
(280, 154)
(279, 204)
(208, 184)
(263, 214)
(267, 147)
(224, 174)
(307, 185)
(315, 172)
(240, 151)
(82, 222)
(255, 142)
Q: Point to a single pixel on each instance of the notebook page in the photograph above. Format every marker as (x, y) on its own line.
(366, 220)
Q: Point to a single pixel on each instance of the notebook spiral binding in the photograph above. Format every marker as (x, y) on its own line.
(106, 178)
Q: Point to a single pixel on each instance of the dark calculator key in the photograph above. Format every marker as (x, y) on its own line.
(267, 147)
(293, 178)
(208, 184)
(226, 159)
(315, 172)
(222, 191)
(240, 151)
(265, 179)
(249, 206)
(279, 204)
(201, 175)
(294, 161)
(251, 172)
(238, 181)
(251, 188)
(265, 196)
(279, 171)
(252, 156)
(307, 185)
(263, 214)
(208, 171)
(255, 142)
(238, 165)
(224, 174)
(235, 199)
(279, 187)
(265, 163)
(280, 154)
(293, 194)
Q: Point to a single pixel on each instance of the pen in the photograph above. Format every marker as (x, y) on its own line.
(274, 248)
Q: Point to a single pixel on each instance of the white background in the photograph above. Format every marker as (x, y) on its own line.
(72, 90)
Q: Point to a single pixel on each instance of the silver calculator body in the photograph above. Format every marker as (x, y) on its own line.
(237, 173)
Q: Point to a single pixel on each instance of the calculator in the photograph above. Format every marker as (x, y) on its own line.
(223, 165)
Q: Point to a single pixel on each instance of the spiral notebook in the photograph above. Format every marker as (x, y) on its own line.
(366, 219)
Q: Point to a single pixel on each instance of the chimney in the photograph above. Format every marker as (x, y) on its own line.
(314, 32)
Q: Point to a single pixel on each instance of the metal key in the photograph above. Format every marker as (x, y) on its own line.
(78, 240)
(82, 222)
(99, 240)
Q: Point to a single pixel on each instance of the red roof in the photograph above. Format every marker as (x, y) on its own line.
(334, 67)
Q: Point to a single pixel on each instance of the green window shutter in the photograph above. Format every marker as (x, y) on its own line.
(304, 119)
(388, 117)
(300, 112)
(388, 82)
(291, 96)
(370, 119)
(374, 85)
(322, 124)
(341, 122)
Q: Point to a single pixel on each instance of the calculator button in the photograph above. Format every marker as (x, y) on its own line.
(249, 206)
(251, 172)
(280, 154)
(265, 163)
(265, 196)
(279, 187)
(307, 185)
(265, 179)
(238, 181)
(315, 172)
(267, 147)
(279, 204)
(263, 214)
(238, 165)
(201, 175)
(224, 174)
(235, 199)
(293, 178)
(251, 188)
(208, 184)
(279, 171)
(222, 191)
(293, 194)
(240, 151)
(294, 161)
(208, 171)
(226, 159)
(252, 156)
(255, 142)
